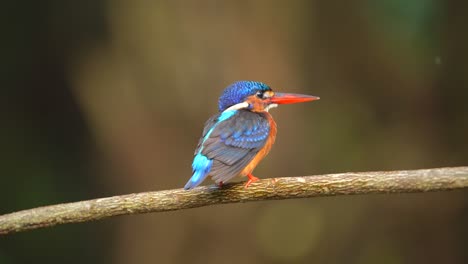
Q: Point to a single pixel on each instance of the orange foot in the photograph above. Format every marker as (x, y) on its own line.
(251, 179)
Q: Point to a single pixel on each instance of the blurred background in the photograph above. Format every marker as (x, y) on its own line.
(102, 98)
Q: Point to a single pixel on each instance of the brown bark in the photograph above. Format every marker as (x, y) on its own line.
(408, 181)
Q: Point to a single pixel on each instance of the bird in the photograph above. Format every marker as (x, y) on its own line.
(241, 134)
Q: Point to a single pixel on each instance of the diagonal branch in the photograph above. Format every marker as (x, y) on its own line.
(407, 181)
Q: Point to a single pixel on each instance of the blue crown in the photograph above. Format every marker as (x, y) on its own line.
(238, 93)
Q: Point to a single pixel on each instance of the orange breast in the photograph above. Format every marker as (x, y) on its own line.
(264, 151)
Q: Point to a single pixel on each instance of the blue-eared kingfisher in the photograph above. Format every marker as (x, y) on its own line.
(236, 139)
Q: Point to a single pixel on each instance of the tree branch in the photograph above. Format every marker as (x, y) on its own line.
(268, 189)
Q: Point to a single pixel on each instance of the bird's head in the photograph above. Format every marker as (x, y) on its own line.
(257, 97)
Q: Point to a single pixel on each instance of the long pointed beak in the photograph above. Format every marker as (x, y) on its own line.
(289, 98)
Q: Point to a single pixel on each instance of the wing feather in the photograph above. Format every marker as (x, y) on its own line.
(233, 143)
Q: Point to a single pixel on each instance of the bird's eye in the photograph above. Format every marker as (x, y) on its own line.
(259, 94)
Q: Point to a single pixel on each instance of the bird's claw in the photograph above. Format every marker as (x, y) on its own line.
(251, 179)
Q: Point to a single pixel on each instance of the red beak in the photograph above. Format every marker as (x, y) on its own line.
(289, 98)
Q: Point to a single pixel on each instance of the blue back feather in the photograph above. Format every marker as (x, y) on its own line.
(228, 144)
(201, 165)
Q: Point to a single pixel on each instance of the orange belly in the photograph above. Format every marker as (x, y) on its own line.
(264, 151)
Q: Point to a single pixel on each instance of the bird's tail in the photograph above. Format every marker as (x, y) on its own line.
(201, 166)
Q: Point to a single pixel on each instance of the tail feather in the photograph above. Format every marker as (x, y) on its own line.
(201, 166)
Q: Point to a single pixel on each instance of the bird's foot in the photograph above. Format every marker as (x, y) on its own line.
(220, 184)
(251, 179)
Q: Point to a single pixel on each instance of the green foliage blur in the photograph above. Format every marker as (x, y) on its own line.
(109, 97)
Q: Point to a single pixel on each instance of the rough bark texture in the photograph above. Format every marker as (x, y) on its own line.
(268, 189)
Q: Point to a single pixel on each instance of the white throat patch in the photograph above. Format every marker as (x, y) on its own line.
(270, 106)
(245, 105)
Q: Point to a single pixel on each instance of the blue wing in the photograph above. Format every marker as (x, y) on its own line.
(229, 143)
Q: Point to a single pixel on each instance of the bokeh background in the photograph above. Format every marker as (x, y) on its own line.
(103, 98)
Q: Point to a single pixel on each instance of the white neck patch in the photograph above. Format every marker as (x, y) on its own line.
(245, 105)
(237, 106)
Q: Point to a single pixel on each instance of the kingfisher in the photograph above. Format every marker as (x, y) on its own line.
(241, 134)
